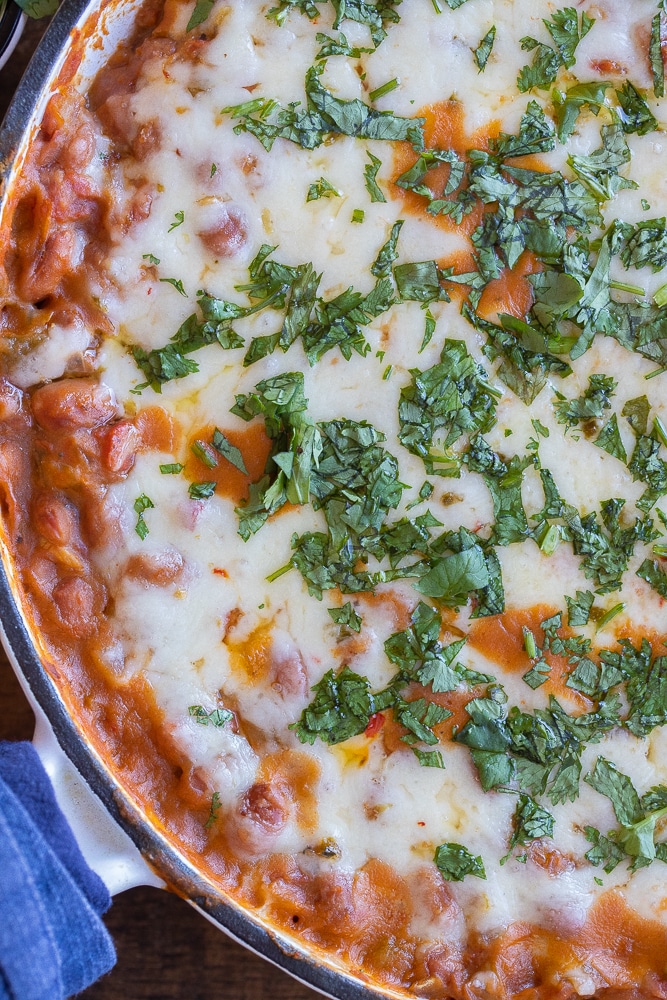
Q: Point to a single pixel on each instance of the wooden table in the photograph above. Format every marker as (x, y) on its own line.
(166, 951)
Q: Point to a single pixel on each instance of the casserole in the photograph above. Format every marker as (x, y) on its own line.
(304, 806)
(11, 25)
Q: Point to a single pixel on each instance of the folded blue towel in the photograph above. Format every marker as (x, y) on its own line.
(53, 943)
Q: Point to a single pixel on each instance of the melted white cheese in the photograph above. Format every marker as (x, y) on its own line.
(177, 635)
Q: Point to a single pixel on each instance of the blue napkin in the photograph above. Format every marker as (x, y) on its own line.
(53, 943)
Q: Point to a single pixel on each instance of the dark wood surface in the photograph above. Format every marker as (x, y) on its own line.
(166, 951)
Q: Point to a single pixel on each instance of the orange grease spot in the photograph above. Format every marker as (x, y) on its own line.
(254, 446)
(500, 638)
(510, 293)
(444, 129)
(252, 656)
(157, 429)
(300, 772)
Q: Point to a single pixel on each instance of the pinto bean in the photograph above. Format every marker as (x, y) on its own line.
(265, 804)
(261, 815)
(157, 569)
(141, 202)
(228, 235)
(289, 675)
(79, 151)
(119, 446)
(75, 599)
(40, 276)
(54, 519)
(11, 400)
(147, 139)
(72, 403)
(14, 479)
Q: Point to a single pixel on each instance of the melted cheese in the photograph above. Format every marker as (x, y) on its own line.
(217, 633)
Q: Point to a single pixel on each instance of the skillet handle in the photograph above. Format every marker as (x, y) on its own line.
(107, 849)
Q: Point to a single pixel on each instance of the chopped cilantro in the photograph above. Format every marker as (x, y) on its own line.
(386, 88)
(322, 189)
(217, 717)
(142, 504)
(483, 51)
(454, 861)
(342, 708)
(635, 114)
(609, 439)
(566, 32)
(346, 617)
(370, 173)
(179, 219)
(444, 402)
(228, 451)
(201, 491)
(325, 116)
(530, 822)
(655, 53)
(637, 818)
(579, 608)
(200, 13)
(656, 577)
(214, 811)
(538, 753)
(177, 283)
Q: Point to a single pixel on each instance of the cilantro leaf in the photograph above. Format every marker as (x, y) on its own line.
(346, 617)
(635, 114)
(530, 821)
(579, 608)
(454, 861)
(228, 451)
(200, 13)
(609, 439)
(370, 173)
(590, 405)
(453, 396)
(342, 708)
(566, 31)
(636, 817)
(483, 51)
(321, 188)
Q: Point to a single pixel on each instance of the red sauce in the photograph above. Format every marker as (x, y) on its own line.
(231, 482)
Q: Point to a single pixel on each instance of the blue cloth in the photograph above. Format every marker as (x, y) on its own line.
(53, 943)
